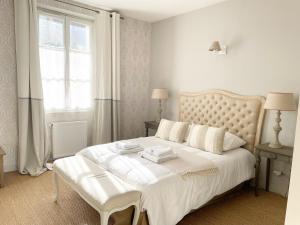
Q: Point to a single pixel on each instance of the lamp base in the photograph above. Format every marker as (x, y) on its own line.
(277, 128)
(159, 110)
(275, 145)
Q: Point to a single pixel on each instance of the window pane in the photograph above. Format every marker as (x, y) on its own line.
(51, 30)
(52, 63)
(54, 94)
(79, 37)
(72, 90)
(80, 66)
(80, 94)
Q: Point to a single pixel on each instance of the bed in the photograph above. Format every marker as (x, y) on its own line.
(167, 197)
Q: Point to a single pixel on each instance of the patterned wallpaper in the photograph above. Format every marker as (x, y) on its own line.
(135, 72)
(135, 75)
(8, 85)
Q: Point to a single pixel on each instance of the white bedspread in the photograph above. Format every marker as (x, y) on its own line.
(167, 196)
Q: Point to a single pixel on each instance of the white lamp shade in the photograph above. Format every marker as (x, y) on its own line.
(280, 101)
(160, 93)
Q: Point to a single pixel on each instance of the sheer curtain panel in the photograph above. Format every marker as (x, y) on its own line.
(31, 117)
(106, 125)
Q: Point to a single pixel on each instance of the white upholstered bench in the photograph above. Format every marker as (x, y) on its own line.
(102, 190)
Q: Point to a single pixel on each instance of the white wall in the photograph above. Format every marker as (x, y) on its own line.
(292, 213)
(263, 55)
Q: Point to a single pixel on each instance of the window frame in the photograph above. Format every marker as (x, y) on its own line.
(68, 18)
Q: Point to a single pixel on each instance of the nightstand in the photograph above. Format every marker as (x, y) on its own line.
(270, 153)
(2, 154)
(150, 125)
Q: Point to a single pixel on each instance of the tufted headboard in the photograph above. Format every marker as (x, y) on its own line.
(238, 114)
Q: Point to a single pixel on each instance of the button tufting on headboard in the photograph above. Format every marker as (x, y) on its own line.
(238, 114)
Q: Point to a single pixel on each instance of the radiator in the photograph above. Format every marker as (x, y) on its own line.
(68, 138)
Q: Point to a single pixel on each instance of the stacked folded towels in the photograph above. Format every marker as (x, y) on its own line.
(125, 147)
(159, 153)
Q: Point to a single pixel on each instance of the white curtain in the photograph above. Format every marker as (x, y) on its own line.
(107, 91)
(32, 132)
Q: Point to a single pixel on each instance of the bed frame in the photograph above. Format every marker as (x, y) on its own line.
(239, 114)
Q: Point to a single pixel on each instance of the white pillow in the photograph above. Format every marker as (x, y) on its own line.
(206, 138)
(178, 131)
(164, 129)
(214, 140)
(196, 138)
(232, 141)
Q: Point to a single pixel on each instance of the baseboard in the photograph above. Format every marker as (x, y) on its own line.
(10, 167)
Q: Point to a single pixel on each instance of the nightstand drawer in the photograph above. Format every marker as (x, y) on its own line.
(268, 155)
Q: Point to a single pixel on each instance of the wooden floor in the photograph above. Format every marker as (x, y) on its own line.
(29, 201)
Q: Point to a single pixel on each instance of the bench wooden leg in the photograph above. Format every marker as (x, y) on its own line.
(56, 187)
(136, 213)
(104, 216)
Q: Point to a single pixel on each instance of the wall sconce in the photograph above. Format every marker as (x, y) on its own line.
(216, 48)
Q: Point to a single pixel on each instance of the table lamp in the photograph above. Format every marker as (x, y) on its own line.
(279, 102)
(160, 94)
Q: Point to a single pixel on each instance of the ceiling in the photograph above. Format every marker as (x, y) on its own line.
(150, 10)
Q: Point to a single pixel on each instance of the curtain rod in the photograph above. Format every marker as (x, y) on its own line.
(83, 7)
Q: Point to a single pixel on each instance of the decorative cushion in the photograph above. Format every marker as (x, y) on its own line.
(232, 141)
(178, 131)
(196, 138)
(206, 138)
(214, 140)
(164, 129)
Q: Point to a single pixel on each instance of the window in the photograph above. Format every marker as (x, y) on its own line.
(66, 62)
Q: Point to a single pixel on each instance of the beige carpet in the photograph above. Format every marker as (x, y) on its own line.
(29, 201)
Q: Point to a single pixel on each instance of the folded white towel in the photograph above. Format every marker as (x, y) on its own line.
(126, 145)
(159, 150)
(157, 159)
(120, 151)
